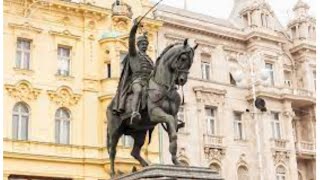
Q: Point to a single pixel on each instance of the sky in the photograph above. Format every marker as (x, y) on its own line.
(222, 8)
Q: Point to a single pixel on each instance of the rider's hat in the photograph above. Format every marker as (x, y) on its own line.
(144, 37)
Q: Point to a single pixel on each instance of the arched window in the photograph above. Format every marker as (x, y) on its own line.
(281, 173)
(215, 167)
(62, 127)
(20, 120)
(243, 173)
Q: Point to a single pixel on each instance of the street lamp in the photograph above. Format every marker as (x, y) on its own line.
(259, 103)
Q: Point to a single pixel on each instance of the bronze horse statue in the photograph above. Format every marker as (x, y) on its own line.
(163, 101)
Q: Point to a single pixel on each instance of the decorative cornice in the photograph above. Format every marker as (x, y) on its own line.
(64, 96)
(214, 154)
(209, 95)
(65, 33)
(209, 90)
(280, 157)
(25, 26)
(79, 7)
(22, 91)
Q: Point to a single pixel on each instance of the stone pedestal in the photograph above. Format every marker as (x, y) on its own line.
(170, 172)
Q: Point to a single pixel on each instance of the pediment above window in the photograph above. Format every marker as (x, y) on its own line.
(66, 34)
(25, 26)
(209, 95)
(64, 96)
(23, 91)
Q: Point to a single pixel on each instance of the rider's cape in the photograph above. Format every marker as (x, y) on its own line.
(123, 86)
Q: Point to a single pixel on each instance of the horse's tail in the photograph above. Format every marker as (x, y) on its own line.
(150, 134)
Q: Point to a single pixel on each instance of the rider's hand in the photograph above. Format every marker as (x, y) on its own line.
(136, 21)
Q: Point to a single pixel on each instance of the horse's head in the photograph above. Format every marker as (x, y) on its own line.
(172, 66)
(181, 65)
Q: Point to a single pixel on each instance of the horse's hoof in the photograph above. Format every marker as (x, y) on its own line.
(177, 162)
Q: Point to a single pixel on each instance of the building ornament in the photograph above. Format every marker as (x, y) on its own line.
(209, 95)
(280, 156)
(242, 161)
(25, 26)
(23, 91)
(288, 114)
(66, 33)
(64, 96)
(214, 153)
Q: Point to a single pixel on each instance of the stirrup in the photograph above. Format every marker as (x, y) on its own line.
(135, 116)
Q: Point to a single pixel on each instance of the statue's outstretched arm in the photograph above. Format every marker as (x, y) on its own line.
(132, 38)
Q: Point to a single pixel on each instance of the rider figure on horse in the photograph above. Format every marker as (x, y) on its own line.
(135, 74)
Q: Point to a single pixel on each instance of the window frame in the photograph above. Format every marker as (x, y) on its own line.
(182, 113)
(59, 139)
(276, 125)
(125, 141)
(61, 59)
(19, 121)
(210, 119)
(238, 130)
(281, 175)
(270, 73)
(23, 52)
(204, 67)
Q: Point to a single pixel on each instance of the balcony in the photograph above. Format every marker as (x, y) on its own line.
(213, 141)
(279, 144)
(305, 149)
(299, 97)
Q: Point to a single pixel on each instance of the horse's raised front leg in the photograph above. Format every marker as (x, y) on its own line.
(159, 116)
(139, 138)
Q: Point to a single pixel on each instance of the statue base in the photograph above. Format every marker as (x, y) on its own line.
(171, 172)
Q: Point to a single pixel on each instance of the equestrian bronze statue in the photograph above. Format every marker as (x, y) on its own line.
(147, 95)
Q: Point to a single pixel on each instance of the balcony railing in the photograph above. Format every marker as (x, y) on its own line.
(302, 92)
(285, 91)
(279, 143)
(212, 140)
(304, 146)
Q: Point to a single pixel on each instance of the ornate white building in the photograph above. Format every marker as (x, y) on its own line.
(222, 131)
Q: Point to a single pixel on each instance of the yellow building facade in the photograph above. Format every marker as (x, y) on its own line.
(62, 62)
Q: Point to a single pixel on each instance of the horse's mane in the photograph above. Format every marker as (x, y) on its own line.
(165, 51)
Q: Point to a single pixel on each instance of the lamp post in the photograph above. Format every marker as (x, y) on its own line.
(238, 77)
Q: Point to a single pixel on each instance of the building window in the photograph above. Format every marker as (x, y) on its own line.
(281, 173)
(243, 173)
(64, 60)
(205, 69)
(62, 126)
(181, 117)
(275, 124)
(127, 141)
(216, 168)
(20, 121)
(108, 70)
(238, 126)
(211, 120)
(269, 68)
(23, 53)
(287, 79)
(315, 79)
